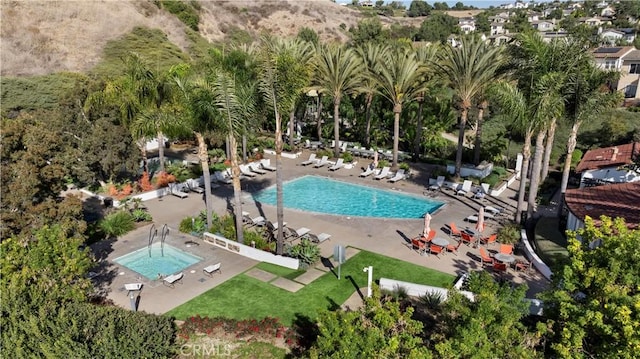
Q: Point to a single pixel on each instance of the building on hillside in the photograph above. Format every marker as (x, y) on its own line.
(499, 39)
(605, 165)
(611, 37)
(607, 11)
(543, 25)
(467, 24)
(566, 12)
(591, 21)
(499, 19)
(533, 16)
(625, 59)
(612, 200)
(551, 35)
(497, 28)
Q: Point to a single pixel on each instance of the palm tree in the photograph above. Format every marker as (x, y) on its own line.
(587, 97)
(370, 54)
(398, 75)
(339, 72)
(527, 114)
(281, 79)
(468, 68)
(425, 55)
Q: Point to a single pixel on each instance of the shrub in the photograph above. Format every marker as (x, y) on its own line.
(432, 300)
(140, 215)
(186, 12)
(576, 156)
(163, 179)
(383, 163)
(117, 224)
(347, 157)
(307, 252)
(180, 171)
(405, 166)
(144, 183)
(509, 233)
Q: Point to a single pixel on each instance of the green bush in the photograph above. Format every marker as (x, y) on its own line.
(383, 163)
(405, 166)
(347, 157)
(186, 12)
(509, 233)
(117, 224)
(307, 252)
(140, 215)
(576, 156)
(193, 225)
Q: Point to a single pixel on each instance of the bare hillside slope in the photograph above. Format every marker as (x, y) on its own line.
(43, 36)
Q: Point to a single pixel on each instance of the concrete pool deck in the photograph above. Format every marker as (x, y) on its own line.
(389, 237)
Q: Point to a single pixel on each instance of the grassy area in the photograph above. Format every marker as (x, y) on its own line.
(241, 350)
(244, 297)
(551, 245)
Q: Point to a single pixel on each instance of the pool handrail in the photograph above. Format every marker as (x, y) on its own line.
(153, 232)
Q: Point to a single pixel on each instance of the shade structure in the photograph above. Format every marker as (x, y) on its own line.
(480, 223)
(427, 224)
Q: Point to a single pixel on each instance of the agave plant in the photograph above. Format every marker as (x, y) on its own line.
(307, 252)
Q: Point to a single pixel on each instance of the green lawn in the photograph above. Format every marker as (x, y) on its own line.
(243, 297)
(551, 245)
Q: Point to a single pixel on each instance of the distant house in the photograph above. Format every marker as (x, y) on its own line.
(613, 200)
(497, 28)
(551, 35)
(499, 39)
(533, 16)
(499, 19)
(625, 59)
(543, 25)
(603, 165)
(590, 21)
(467, 24)
(607, 11)
(611, 36)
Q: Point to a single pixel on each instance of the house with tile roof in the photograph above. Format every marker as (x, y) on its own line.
(604, 165)
(612, 200)
(625, 59)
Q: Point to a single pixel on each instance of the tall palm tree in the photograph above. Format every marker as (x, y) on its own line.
(224, 90)
(369, 54)
(398, 75)
(527, 113)
(587, 97)
(425, 55)
(339, 72)
(468, 68)
(282, 77)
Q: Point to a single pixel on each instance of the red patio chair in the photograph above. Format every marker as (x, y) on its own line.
(499, 267)
(435, 249)
(418, 245)
(454, 248)
(489, 240)
(522, 265)
(453, 230)
(506, 248)
(431, 235)
(485, 257)
(467, 238)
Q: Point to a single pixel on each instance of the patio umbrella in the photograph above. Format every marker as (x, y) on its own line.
(427, 223)
(480, 223)
(375, 159)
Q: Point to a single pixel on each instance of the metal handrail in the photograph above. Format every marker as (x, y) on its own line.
(153, 232)
(163, 236)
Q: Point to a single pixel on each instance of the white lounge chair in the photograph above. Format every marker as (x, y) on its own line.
(319, 238)
(245, 171)
(256, 221)
(220, 177)
(438, 184)
(177, 191)
(265, 163)
(383, 173)
(172, 279)
(339, 164)
(466, 188)
(312, 159)
(399, 176)
(321, 162)
(493, 210)
(370, 170)
(256, 169)
(293, 234)
(132, 287)
(209, 270)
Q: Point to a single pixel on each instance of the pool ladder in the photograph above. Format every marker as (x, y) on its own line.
(153, 232)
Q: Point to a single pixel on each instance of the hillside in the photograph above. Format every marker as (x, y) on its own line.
(42, 37)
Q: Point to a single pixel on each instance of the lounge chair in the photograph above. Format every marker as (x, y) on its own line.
(312, 159)
(321, 162)
(482, 191)
(339, 164)
(246, 171)
(256, 221)
(383, 173)
(177, 191)
(221, 177)
(485, 258)
(466, 188)
(454, 248)
(435, 249)
(522, 265)
(506, 248)
(418, 245)
(194, 186)
(319, 238)
(493, 210)
(467, 238)
(291, 234)
(170, 281)
(214, 268)
(398, 176)
(132, 287)
(453, 230)
(438, 184)
(370, 170)
(265, 163)
(255, 168)
(499, 267)
(489, 240)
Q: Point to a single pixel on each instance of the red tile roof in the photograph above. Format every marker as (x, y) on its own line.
(604, 157)
(614, 200)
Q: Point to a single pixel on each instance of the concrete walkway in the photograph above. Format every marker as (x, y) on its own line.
(390, 237)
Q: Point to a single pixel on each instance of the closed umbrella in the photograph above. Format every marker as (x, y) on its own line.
(427, 223)
(480, 223)
(375, 159)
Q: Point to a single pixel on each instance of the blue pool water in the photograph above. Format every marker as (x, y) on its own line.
(173, 261)
(323, 195)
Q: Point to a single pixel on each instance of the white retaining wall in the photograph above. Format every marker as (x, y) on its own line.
(480, 171)
(533, 257)
(250, 252)
(498, 191)
(418, 290)
(284, 154)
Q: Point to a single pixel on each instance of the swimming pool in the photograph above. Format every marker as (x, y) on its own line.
(173, 261)
(324, 195)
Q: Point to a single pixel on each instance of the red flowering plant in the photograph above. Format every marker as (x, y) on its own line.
(250, 330)
(163, 179)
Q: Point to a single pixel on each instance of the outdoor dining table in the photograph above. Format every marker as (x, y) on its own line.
(440, 242)
(504, 258)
